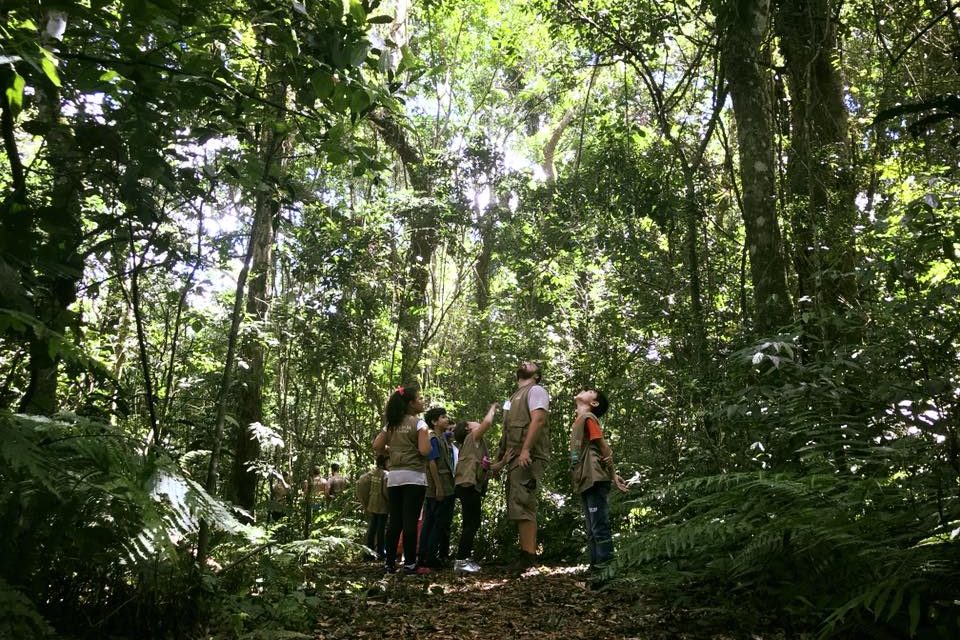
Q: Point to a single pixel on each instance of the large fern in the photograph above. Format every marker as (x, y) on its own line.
(84, 507)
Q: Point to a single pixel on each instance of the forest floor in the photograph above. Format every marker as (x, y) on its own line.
(546, 603)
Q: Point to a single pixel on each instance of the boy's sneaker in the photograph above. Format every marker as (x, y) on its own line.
(466, 566)
(523, 562)
(416, 571)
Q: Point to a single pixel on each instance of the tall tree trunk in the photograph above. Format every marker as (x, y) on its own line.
(249, 402)
(60, 264)
(746, 60)
(422, 224)
(820, 177)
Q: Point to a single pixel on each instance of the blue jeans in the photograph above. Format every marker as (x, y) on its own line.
(596, 510)
(437, 517)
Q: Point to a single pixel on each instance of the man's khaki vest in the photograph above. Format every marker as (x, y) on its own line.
(444, 468)
(470, 472)
(516, 423)
(404, 453)
(589, 468)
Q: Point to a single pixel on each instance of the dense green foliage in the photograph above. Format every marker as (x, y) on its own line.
(227, 233)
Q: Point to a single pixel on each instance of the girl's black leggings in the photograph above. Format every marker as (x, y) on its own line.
(406, 500)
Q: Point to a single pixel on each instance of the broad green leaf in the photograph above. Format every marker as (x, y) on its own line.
(359, 100)
(50, 69)
(341, 99)
(358, 53)
(323, 84)
(15, 94)
(357, 12)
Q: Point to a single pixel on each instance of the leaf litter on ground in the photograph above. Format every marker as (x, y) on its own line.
(546, 603)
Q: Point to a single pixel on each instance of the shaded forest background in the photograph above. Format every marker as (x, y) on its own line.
(229, 228)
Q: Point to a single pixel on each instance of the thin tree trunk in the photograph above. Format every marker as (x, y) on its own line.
(249, 402)
(213, 469)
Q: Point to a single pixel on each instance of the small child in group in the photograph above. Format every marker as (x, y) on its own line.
(472, 474)
(372, 495)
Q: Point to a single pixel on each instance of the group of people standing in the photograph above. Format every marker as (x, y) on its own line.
(318, 491)
(423, 476)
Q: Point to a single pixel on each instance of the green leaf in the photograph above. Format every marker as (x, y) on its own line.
(359, 100)
(110, 76)
(232, 170)
(15, 94)
(357, 12)
(341, 99)
(47, 63)
(323, 84)
(357, 53)
(914, 613)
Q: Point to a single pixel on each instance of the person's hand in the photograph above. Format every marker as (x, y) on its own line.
(620, 483)
(524, 458)
(497, 466)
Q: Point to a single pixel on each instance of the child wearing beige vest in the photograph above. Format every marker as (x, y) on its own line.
(472, 474)
(372, 495)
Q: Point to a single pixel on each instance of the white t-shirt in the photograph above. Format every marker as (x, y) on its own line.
(538, 398)
(399, 477)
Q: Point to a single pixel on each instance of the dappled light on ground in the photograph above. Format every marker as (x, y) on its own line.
(547, 602)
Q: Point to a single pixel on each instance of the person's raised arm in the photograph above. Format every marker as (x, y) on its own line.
(485, 423)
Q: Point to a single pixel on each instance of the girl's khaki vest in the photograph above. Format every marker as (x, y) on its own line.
(444, 468)
(589, 469)
(470, 471)
(404, 453)
(516, 423)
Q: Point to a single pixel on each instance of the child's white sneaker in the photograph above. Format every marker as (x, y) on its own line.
(465, 566)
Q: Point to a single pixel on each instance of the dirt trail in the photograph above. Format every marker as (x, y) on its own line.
(545, 603)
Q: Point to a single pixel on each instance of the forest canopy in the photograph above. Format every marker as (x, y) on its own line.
(229, 229)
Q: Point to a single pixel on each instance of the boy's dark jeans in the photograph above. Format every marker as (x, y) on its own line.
(437, 518)
(406, 501)
(377, 533)
(471, 502)
(596, 510)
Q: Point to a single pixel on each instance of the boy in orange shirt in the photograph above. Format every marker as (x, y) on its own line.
(593, 474)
